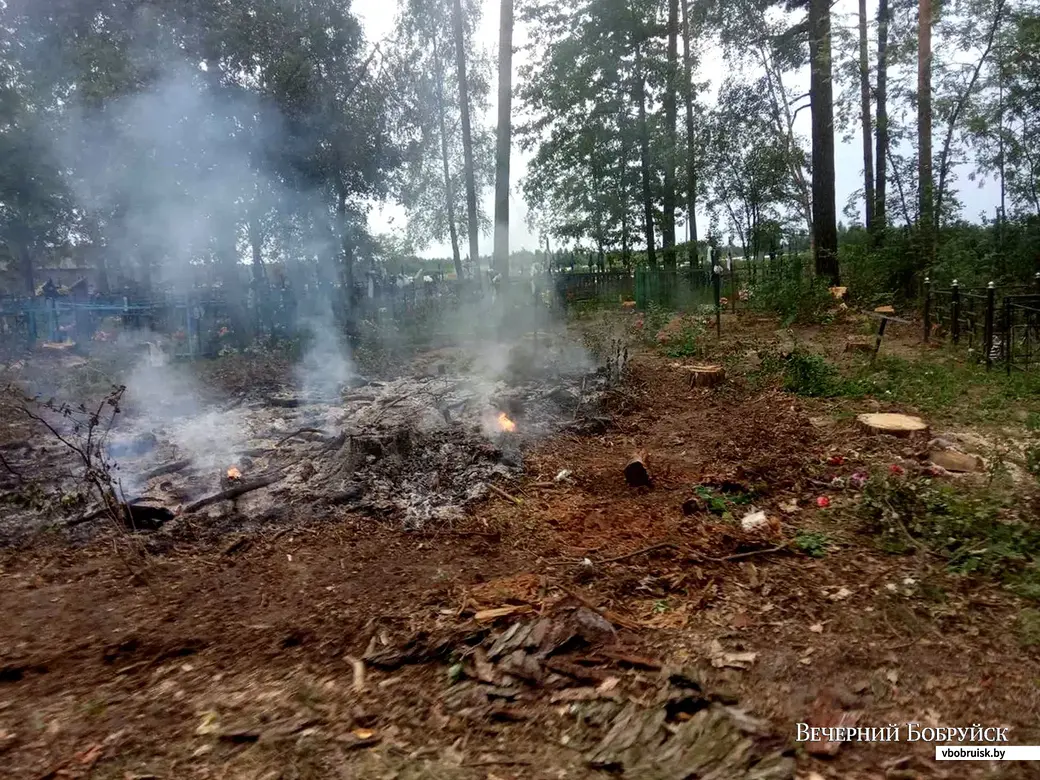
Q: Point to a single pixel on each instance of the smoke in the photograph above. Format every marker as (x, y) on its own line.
(173, 178)
(168, 177)
(164, 399)
(326, 365)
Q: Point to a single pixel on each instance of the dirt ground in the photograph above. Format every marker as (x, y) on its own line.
(238, 657)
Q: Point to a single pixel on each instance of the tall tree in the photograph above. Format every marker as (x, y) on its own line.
(880, 222)
(925, 216)
(644, 142)
(691, 141)
(821, 96)
(505, 97)
(864, 107)
(963, 93)
(670, 99)
(449, 188)
(467, 134)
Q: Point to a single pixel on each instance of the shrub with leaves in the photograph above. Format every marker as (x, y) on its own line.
(976, 532)
(84, 432)
(809, 374)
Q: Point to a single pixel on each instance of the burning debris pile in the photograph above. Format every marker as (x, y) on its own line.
(412, 450)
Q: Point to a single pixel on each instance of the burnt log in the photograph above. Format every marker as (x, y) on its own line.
(169, 468)
(636, 472)
(145, 517)
(232, 493)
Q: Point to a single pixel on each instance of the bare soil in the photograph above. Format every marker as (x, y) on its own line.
(236, 655)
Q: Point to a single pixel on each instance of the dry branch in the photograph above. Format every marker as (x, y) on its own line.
(231, 493)
(499, 492)
(297, 433)
(169, 468)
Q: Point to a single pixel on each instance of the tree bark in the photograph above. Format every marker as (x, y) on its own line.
(821, 96)
(668, 222)
(925, 214)
(691, 159)
(783, 117)
(868, 136)
(644, 154)
(449, 190)
(881, 152)
(260, 297)
(505, 94)
(25, 261)
(467, 136)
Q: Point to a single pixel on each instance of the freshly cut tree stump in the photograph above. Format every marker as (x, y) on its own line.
(636, 473)
(902, 425)
(705, 376)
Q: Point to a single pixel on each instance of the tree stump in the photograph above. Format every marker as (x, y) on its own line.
(636, 472)
(901, 425)
(705, 376)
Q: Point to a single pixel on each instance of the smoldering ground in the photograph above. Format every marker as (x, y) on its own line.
(175, 162)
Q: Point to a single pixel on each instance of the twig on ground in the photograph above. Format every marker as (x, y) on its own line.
(686, 551)
(500, 492)
(640, 551)
(359, 673)
(388, 407)
(740, 556)
(10, 468)
(297, 433)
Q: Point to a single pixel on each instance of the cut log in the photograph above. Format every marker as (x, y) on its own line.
(705, 376)
(636, 473)
(956, 461)
(893, 424)
(884, 310)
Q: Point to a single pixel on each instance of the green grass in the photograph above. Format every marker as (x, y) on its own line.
(977, 530)
(689, 342)
(933, 386)
(1027, 628)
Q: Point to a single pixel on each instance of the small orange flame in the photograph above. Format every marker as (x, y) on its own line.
(234, 473)
(504, 423)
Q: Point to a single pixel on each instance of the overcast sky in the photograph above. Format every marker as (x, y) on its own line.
(378, 18)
